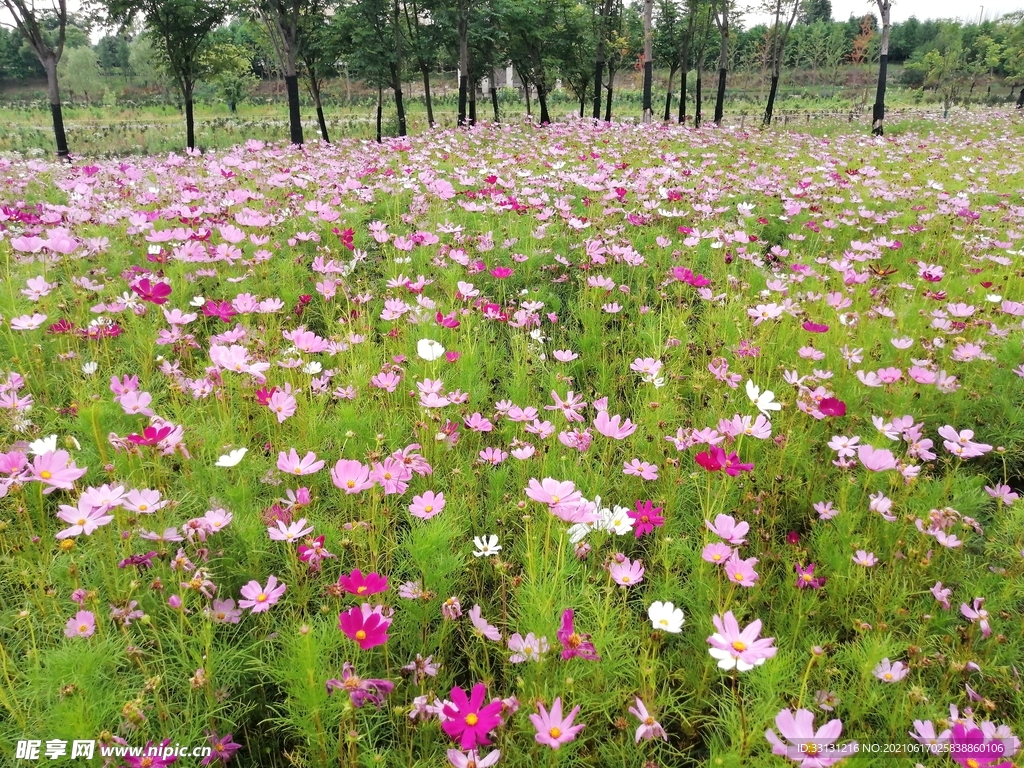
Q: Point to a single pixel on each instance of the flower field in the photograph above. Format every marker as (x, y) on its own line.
(581, 446)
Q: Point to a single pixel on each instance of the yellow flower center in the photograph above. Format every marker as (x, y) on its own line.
(351, 484)
(555, 499)
(738, 576)
(221, 615)
(625, 579)
(664, 622)
(360, 589)
(472, 719)
(261, 598)
(387, 475)
(807, 577)
(429, 508)
(555, 733)
(83, 628)
(887, 675)
(143, 507)
(298, 470)
(739, 645)
(81, 521)
(649, 721)
(360, 635)
(46, 474)
(972, 763)
(716, 557)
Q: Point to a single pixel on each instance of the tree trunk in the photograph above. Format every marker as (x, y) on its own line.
(682, 96)
(583, 105)
(463, 63)
(720, 98)
(53, 89)
(1020, 98)
(542, 98)
(648, 114)
(698, 100)
(190, 120)
(314, 88)
(771, 100)
(608, 100)
(599, 58)
(291, 83)
(668, 96)
(878, 110)
(472, 103)
(494, 95)
(426, 93)
(380, 112)
(526, 93)
(396, 85)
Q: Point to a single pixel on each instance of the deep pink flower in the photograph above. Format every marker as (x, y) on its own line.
(831, 406)
(645, 517)
(222, 748)
(363, 585)
(575, 643)
(814, 327)
(152, 756)
(157, 292)
(970, 748)
(365, 625)
(468, 720)
(805, 578)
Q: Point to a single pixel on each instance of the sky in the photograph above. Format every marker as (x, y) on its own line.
(922, 9)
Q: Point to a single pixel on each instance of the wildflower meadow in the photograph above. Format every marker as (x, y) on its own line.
(590, 444)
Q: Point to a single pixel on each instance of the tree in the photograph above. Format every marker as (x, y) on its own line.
(29, 22)
(648, 60)
(721, 10)
(79, 73)
(423, 43)
(228, 68)
(318, 54)
(813, 11)
(112, 55)
(369, 29)
(179, 29)
(779, 34)
(878, 111)
(599, 57)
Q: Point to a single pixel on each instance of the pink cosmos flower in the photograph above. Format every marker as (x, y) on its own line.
(468, 720)
(82, 624)
(427, 505)
(649, 728)
(392, 475)
(84, 519)
(741, 571)
(291, 532)
(552, 729)
(260, 598)
(977, 614)
(716, 553)
(360, 690)
(876, 459)
(740, 650)
(351, 476)
(867, 559)
(627, 573)
(554, 493)
(726, 528)
(528, 648)
(481, 626)
(283, 405)
(293, 465)
(55, 469)
(471, 759)
(366, 625)
(890, 672)
(807, 746)
(224, 612)
(613, 427)
(641, 469)
(941, 594)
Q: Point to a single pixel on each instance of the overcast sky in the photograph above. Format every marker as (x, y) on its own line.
(923, 9)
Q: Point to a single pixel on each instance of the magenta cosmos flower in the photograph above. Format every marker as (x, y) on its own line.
(152, 756)
(575, 643)
(260, 598)
(366, 625)
(358, 584)
(740, 650)
(831, 406)
(807, 746)
(645, 517)
(971, 748)
(468, 719)
(222, 748)
(716, 459)
(552, 729)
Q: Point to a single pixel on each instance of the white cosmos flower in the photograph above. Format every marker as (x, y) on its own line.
(90, 368)
(43, 445)
(763, 401)
(665, 617)
(232, 458)
(486, 546)
(615, 521)
(312, 368)
(429, 349)
(197, 301)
